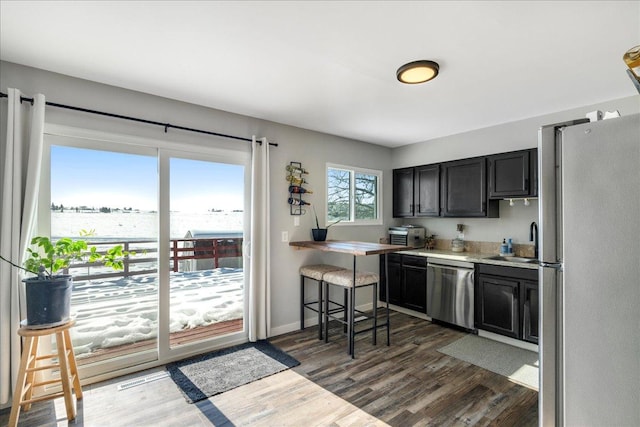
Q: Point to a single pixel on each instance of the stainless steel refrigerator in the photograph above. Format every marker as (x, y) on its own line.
(590, 272)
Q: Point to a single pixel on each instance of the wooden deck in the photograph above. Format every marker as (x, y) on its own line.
(175, 339)
(409, 383)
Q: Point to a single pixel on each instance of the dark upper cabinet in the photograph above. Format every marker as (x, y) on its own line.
(463, 186)
(506, 301)
(403, 192)
(416, 191)
(427, 190)
(513, 174)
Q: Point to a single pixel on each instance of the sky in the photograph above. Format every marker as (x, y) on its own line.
(93, 178)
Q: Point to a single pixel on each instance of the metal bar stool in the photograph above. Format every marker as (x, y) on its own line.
(351, 280)
(30, 364)
(314, 272)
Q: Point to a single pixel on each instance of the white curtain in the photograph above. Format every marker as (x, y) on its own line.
(259, 252)
(19, 181)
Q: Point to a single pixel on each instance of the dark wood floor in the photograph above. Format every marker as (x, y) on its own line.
(408, 383)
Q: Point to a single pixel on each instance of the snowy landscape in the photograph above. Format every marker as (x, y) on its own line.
(124, 310)
(111, 313)
(140, 224)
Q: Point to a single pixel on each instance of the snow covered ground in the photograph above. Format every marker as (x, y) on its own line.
(115, 312)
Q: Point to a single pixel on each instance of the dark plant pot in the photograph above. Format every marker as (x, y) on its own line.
(319, 234)
(48, 301)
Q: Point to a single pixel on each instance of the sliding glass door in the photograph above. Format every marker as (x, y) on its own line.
(181, 218)
(109, 198)
(206, 282)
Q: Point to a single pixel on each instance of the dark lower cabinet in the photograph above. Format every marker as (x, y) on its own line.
(414, 270)
(530, 312)
(497, 307)
(395, 283)
(506, 301)
(407, 281)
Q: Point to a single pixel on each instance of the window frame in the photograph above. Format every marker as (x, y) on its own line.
(353, 170)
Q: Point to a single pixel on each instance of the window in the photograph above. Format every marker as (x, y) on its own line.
(353, 195)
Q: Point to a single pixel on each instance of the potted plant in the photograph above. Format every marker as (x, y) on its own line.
(320, 234)
(48, 295)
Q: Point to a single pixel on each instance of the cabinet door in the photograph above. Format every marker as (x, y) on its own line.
(509, 175)
(403, 193)
(533, 171)
(427, 190)
(497, 307)
(463, 185)
(382, 291)
(530, 311)
(415, 283)
(395, 271)
(396, 290)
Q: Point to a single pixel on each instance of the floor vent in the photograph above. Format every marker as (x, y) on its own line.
(144, 380)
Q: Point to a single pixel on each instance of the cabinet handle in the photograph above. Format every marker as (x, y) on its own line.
(526, 184)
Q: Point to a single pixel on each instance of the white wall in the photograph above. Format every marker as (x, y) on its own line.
(514, 221)
(313, 149)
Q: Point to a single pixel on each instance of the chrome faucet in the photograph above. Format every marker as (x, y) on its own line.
(533, 237)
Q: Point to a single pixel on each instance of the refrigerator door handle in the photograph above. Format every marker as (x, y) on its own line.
(554, 265)
(550, 405)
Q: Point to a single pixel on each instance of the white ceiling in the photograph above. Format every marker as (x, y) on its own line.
(330, 66)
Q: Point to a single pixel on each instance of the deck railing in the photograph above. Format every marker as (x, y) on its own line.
(143, 261)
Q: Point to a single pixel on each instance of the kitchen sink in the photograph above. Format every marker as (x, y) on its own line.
(514, 259)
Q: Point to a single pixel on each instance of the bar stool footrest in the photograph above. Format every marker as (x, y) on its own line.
(309, 306)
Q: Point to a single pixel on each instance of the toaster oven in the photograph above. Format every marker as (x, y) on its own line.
(407, 235)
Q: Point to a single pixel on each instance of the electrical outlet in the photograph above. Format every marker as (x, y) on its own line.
(285, 236)
(296, 221)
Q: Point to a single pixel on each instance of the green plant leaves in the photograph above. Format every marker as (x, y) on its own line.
(58, 256)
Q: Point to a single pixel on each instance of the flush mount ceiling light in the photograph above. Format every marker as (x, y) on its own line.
(417, 72)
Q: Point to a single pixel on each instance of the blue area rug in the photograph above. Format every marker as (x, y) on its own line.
(213, 373)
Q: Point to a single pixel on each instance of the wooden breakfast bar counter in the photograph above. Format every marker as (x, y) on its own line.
(356, 249)
(350, 247)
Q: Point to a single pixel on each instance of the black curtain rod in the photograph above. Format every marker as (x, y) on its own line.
(166, 126)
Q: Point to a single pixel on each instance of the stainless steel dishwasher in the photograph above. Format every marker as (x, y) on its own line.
(450, 291)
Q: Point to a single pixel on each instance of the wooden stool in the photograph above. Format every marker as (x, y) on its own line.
(350, 280)
(23, 393)
(314, 272)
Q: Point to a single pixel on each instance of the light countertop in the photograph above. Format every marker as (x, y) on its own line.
(474, 257)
